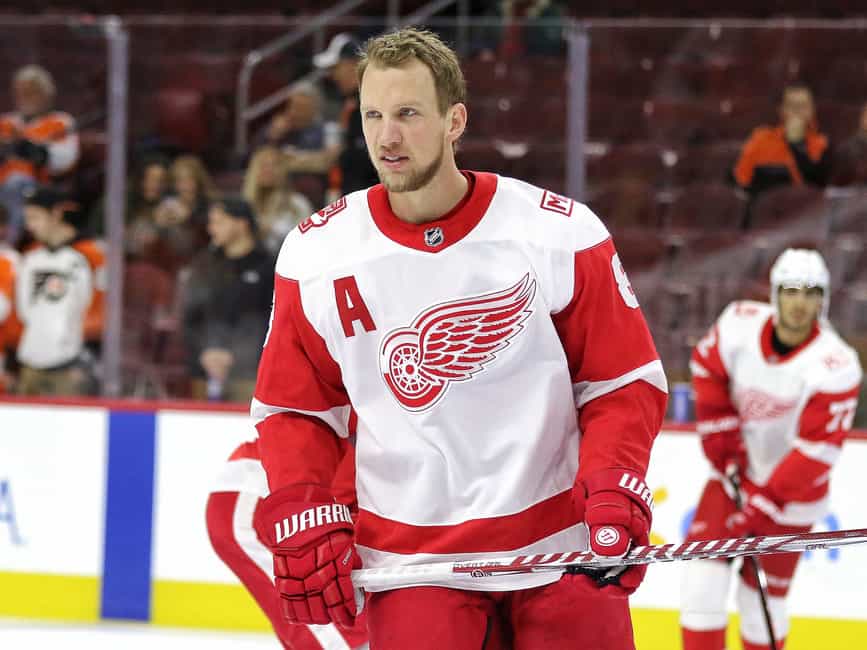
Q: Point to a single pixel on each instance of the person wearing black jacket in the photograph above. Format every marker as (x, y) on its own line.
(340, 60)
(227, 302)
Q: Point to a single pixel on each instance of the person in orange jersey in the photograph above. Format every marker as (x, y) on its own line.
(36, 142)
(792, 153)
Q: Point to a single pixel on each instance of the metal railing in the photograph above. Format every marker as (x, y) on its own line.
(246, 113)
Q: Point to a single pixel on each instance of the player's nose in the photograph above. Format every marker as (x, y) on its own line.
(390, 134)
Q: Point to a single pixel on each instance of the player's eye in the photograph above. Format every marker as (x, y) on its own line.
(370, 115)
(408, 112)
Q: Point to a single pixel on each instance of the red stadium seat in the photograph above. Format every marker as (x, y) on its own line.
(775, 207)
(626, 203)
(707, 206)
(182, 118)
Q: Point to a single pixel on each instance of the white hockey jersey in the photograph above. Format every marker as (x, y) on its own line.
(56, 291)
(793, 411)
(457, 350)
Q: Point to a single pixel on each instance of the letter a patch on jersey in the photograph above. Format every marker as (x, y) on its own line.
(451, 342)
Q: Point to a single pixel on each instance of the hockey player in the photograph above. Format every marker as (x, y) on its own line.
(240, 489)
(481, 337)
(775, 391)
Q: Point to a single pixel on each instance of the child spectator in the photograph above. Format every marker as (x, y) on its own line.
(59, 295)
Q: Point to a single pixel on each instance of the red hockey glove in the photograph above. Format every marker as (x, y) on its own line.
(310, 536)
(618, 514)
(724, 448)
(756, 515)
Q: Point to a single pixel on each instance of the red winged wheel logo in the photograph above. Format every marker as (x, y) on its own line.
(450, 342)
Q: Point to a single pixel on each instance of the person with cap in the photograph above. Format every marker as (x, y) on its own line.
(59, 296)
(227, 299)
(353, 170)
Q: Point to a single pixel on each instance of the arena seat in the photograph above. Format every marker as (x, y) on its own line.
(707, 207)
(626, 203)
(774, 207)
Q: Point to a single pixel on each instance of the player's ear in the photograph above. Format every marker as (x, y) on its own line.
(456, 121)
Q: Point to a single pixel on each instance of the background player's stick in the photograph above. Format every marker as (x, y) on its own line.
(733, 476)
(477, 572)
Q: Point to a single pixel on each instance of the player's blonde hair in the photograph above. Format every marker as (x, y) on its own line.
(393, 49)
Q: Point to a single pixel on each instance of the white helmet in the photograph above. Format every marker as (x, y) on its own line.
(800, 267)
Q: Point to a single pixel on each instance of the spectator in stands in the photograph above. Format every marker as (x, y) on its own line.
(850, 161)
(36, 142)
(59, 296)
(176, 228)
(299, 123)
(145, 189)
(354, 170)
(268, 189)
(10, 328)
(532, 27)
(792, 153)
(227, 301)
(193, 187)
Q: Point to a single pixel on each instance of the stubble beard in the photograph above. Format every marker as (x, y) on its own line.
(413, 181)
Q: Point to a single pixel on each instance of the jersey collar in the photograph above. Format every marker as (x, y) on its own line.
(768, 351)
(448, 229)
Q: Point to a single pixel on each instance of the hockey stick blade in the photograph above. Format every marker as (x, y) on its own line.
(479, 570)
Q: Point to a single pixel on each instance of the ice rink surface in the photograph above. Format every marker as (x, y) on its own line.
(29, 635)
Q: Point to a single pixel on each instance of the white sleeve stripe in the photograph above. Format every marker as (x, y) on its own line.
(245, 535)
(728, 423)
(824, 452)
(698, 370)
(328, 637)
(652, 373)
(242, 475)
(337, 418)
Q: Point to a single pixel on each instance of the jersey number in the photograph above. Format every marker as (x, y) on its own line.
(623, 285)
(842, 415)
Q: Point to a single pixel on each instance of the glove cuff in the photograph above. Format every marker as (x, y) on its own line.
(294, 515)
(622, 481)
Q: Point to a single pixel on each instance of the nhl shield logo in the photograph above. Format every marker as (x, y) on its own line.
(433, 237)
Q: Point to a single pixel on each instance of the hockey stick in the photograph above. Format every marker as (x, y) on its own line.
(761, 578)
(477, 572)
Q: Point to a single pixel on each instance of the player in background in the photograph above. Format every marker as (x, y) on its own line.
(59, 297)
(776, 390)
(237, 494)
(481, 337)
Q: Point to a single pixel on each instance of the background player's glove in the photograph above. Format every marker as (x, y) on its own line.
(724, 448)
(310, 535)
(32, 151)
(618, 514)
(755, 518)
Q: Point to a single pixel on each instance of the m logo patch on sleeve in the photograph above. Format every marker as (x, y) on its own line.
(556, 203)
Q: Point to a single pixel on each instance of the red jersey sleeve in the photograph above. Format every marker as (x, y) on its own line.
(825, 422)
(618, 381)
(300, 404)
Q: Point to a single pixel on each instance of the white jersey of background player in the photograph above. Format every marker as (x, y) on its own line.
(776, 391)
